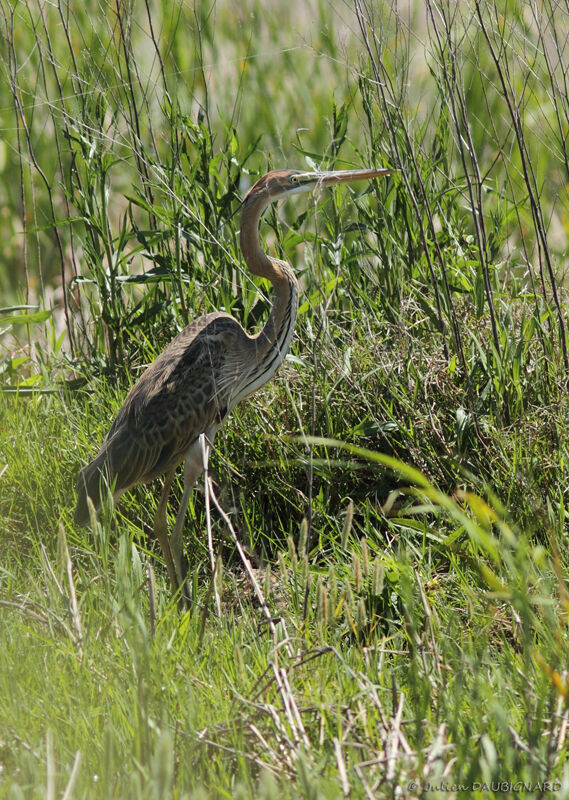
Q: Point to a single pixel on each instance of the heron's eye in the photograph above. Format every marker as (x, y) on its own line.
(293, 179)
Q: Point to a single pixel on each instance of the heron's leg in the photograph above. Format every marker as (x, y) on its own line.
(161, 530)
(193, 468)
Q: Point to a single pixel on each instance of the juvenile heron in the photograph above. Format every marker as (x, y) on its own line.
(192, 386)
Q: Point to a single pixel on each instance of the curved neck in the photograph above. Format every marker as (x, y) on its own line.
(257, 261)
(271, 344)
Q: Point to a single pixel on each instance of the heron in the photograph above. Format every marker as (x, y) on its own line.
(205, 371)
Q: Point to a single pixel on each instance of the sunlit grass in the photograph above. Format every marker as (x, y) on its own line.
(440, 627)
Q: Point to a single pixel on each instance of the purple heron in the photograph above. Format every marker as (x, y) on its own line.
(194, 384)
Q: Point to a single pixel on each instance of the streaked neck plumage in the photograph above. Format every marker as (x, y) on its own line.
(273, 341)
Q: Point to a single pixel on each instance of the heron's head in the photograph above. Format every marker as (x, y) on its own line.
(284, 182)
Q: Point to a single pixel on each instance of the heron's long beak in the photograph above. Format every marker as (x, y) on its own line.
(322, 179)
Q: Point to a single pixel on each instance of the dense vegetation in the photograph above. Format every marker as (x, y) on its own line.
(400, 489)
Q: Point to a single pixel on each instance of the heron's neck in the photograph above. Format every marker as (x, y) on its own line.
(277, 332)
(258, 261)
(271, 344)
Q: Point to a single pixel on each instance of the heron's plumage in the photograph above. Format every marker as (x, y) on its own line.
(176, 398)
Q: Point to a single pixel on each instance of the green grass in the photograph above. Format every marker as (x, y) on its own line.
(400, 488)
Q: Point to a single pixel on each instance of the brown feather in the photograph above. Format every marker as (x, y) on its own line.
(176, 398)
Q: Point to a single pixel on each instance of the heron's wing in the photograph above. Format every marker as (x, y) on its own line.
(178, 397)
